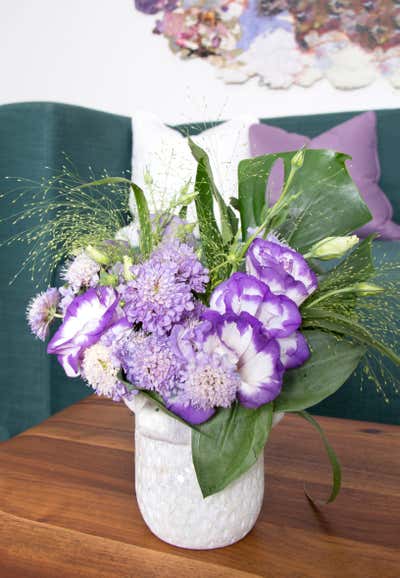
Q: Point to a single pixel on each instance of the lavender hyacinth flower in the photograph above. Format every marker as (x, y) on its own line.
(41, 311)
(241, 292)
(282, 269)
(86, 319)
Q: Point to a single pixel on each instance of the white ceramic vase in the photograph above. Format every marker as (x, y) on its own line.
(169, 495)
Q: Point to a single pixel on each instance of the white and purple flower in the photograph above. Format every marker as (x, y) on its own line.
(41, 311)
(278, 314)
(281, 268)
(86, 319)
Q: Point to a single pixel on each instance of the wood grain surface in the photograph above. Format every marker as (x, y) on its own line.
(67, 505)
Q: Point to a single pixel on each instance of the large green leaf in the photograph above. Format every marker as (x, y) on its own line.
(253, 176)
(213, 246)
(321, 198)
(207, 182)
(146, 238)
(332, 361)
(228, 445)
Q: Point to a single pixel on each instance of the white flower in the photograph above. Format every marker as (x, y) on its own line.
(81, 272)
(99, 369)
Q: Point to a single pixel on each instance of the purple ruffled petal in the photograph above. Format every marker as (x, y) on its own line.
(294, 350)
(244, 293)
(190, 413)
(86, 319)
(261, 373)
(282, 269)
(257, 356)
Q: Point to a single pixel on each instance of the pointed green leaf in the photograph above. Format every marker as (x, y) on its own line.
(146, 239)
(228, 445)
(321, 200)
(208, 181)
(253, 176)
(333, 360)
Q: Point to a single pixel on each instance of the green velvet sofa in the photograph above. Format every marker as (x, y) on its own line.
(34, 136)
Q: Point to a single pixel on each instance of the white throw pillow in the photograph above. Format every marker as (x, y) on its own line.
(164, 154)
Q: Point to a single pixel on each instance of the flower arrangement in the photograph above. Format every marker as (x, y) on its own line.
(225, 321)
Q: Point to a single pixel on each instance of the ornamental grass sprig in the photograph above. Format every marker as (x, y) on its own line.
(59, 217)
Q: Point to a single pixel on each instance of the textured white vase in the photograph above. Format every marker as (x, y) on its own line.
(169, 495)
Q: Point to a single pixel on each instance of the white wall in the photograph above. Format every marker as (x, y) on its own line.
(101, 54)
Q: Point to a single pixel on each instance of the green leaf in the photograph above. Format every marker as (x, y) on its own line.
(335, 464)
(321, 198)
(213, 246)
(253, 176)
(228, 445)
(146, 239)
(329, 204)
(332, 361)
(208, 181)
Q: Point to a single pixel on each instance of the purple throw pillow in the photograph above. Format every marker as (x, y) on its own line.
(355, 137)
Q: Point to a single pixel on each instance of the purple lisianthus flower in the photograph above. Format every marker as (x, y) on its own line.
(255, 355)
(155, 298)
(41, 311)
(282, 269)
(242, 292)
(294, 350)
(86, 319)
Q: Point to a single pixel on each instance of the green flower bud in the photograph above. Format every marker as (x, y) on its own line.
(332, 247)
(127, 261)
(108, 279)
(298, 158)
(98, 256)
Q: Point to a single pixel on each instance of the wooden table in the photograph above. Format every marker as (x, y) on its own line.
(67, 507)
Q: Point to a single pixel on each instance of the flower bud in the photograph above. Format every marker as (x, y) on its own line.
(332, 247)
(128, 275)
(98, 256)
(368, 289)
(107, 279)
(298, 158)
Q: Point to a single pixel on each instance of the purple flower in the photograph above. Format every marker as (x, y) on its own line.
(150, 363)
(241, 292)
(158, 297)
(187, 267)
(86, 319)
(239, 340)
(294, 350)
(211, 380)
(41, 311)
(67, 296)
(282, 269)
